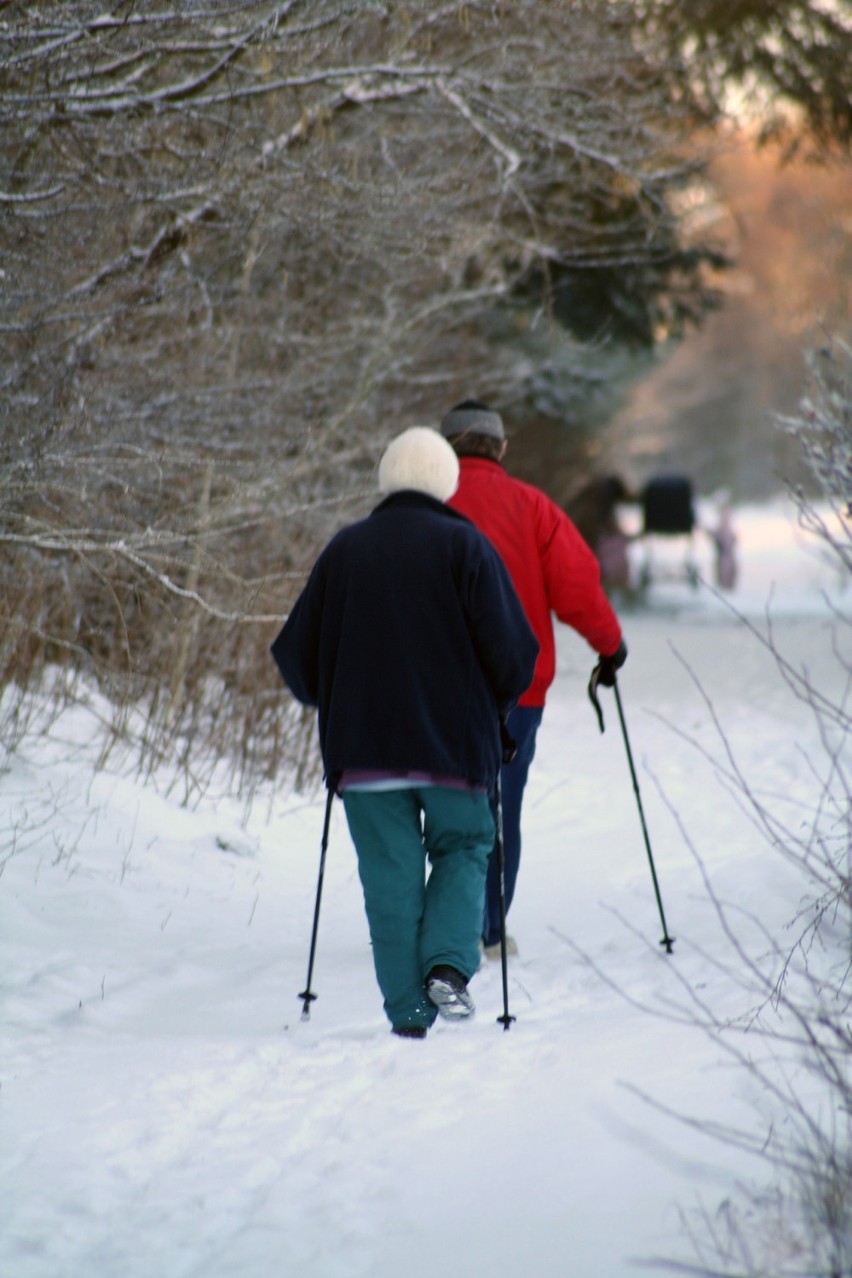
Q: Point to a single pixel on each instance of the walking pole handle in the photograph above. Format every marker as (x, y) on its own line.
(593, 694)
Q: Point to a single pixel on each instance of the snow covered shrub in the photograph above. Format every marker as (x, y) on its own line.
(823, 427)
(794, 1046)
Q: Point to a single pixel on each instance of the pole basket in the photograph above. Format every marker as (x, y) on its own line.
(307, 998)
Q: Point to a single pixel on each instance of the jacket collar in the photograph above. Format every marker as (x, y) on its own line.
(480, 463)
(411, 499)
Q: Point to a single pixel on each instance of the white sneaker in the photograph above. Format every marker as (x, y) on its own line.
(493, 951)
(447, 989)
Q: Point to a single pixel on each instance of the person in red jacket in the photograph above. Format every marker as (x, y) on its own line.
(554, 573)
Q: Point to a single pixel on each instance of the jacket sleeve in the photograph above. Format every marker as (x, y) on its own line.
(296, 649)
(504, 642)
(573, 582)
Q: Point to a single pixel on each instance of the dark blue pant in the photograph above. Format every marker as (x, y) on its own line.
(522, 726)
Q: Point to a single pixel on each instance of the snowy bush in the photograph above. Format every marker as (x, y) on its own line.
(793, 1043)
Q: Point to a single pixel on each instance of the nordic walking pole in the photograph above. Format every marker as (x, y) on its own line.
(508, 751)
(667, 941)
(505, 1020)
(307, 995)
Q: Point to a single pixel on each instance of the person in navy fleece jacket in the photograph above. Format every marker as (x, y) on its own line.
(410, 640)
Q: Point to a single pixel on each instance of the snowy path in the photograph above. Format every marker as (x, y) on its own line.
(164, 1113)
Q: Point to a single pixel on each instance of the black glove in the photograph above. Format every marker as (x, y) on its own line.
(607, 666)
(508, 744)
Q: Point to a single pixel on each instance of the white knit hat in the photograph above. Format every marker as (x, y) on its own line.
(420, 458)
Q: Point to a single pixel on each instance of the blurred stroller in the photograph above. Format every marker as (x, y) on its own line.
(668, 512)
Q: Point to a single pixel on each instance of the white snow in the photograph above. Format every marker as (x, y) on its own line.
(165, 1112)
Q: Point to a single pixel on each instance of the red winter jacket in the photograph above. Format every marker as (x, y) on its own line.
(551, 566)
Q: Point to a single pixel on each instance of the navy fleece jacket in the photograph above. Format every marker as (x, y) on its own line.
(410, 640)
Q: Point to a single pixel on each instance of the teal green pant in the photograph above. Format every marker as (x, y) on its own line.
(417, 921)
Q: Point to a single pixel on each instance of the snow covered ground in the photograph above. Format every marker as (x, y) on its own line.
(165, 1112)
